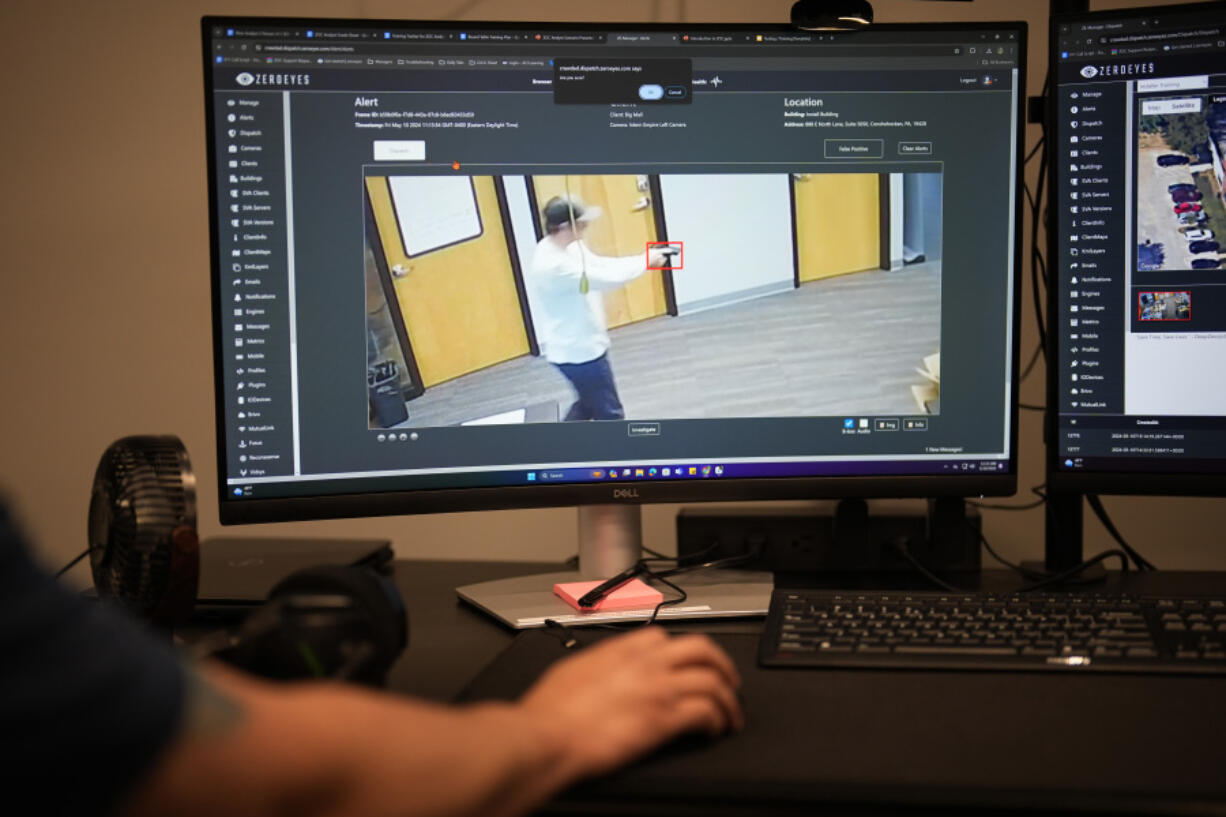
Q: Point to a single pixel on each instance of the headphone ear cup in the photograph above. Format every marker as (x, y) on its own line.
(363, 639)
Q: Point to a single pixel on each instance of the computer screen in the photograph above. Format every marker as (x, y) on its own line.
(483, 265)
(1137, 308)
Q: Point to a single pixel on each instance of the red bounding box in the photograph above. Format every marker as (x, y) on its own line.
(676, 250)
(1164, 306)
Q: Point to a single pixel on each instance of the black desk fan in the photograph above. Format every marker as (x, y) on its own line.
(143, 547)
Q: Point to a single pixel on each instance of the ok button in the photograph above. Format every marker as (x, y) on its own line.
(650, 93)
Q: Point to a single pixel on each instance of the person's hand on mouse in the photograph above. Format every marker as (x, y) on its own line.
(624, 696)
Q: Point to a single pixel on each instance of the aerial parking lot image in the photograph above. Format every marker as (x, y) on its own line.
(1180, 214)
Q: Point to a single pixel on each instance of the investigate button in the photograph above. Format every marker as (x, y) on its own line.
(387, 150)
(854, 148)
(643, 429)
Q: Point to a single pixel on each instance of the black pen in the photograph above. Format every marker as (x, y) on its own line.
(591, 597)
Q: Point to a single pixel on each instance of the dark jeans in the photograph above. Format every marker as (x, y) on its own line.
(593, 382)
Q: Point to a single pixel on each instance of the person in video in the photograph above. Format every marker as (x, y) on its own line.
(568, 279)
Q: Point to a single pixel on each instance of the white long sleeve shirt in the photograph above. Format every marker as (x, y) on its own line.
(570, 325)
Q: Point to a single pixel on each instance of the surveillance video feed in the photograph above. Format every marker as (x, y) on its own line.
(539, 299)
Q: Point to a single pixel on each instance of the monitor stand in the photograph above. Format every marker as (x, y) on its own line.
(610, 540)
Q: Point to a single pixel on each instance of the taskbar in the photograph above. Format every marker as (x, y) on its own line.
(579, 475)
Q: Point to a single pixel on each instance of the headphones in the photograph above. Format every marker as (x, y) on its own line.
(344, 623)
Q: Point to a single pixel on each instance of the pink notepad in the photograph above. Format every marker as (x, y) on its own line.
(633, 595)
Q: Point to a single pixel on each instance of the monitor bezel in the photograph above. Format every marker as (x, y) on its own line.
(385, 503)
(1152, 481)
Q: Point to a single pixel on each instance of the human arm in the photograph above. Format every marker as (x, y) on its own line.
(606, 272)
(253, 748)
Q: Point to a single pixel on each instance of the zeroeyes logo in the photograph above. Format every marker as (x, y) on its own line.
(247, 78)
(1128, 69)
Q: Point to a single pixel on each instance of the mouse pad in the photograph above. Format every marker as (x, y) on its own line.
(935, 738)
(516, 668)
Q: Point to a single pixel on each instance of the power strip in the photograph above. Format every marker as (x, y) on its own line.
(803, 540)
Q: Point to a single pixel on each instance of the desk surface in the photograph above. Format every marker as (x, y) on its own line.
(869, 741)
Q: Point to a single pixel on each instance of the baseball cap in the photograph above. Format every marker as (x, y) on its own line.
(559, 211)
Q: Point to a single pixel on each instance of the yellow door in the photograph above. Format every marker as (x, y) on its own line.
(459, 301)
(626, 226)
(838, 223)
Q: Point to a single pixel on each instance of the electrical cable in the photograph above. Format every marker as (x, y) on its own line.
(1036, 259)
(1064, 575)
(664, 602)
(1096, 505)
(1038, 266)
(900, 546)
(566, 635)
(1037, 145)
(1026, 573)
(71, 564)
(1034, 358)
(727, 561)
(563, 633)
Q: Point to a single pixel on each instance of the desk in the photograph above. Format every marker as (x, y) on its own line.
(871, 742)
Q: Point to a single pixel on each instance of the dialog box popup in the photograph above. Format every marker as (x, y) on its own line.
(605, 81)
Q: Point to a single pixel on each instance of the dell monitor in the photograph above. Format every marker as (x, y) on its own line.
(467, 266)
(1137, 316)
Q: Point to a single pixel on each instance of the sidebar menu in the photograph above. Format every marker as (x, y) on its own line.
(255, 325)
(1091, 212)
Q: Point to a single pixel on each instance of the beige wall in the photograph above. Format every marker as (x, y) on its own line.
(104, 312)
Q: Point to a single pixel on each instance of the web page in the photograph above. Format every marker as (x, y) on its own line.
(1138, 203)
(761, 261)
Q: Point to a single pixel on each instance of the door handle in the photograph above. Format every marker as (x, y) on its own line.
(400, 270)
(800, 177)
(642, 204)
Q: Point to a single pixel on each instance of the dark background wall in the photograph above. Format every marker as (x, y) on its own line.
(104, 311)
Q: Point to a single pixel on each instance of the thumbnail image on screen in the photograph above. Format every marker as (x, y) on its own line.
(529, 299)
(1164, 306)
(1180, 215)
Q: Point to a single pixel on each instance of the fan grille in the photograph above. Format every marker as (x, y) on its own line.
(143, 490)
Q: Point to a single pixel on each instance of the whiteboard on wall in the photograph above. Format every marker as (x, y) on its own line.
(434, 211)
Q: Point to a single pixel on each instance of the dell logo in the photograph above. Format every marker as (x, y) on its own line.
(625, 493)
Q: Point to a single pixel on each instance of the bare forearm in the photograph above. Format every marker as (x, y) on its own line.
(484, 760)
(254, 749)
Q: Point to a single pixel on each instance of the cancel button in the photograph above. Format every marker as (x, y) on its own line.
(914, 148)
(643, 429)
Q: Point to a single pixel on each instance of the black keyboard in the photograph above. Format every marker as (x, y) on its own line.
(1055, 631)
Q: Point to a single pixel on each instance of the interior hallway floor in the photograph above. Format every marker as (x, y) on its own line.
(843, 346)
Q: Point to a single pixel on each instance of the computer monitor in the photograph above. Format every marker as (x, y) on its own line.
(463, 266)
(1137, 316)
